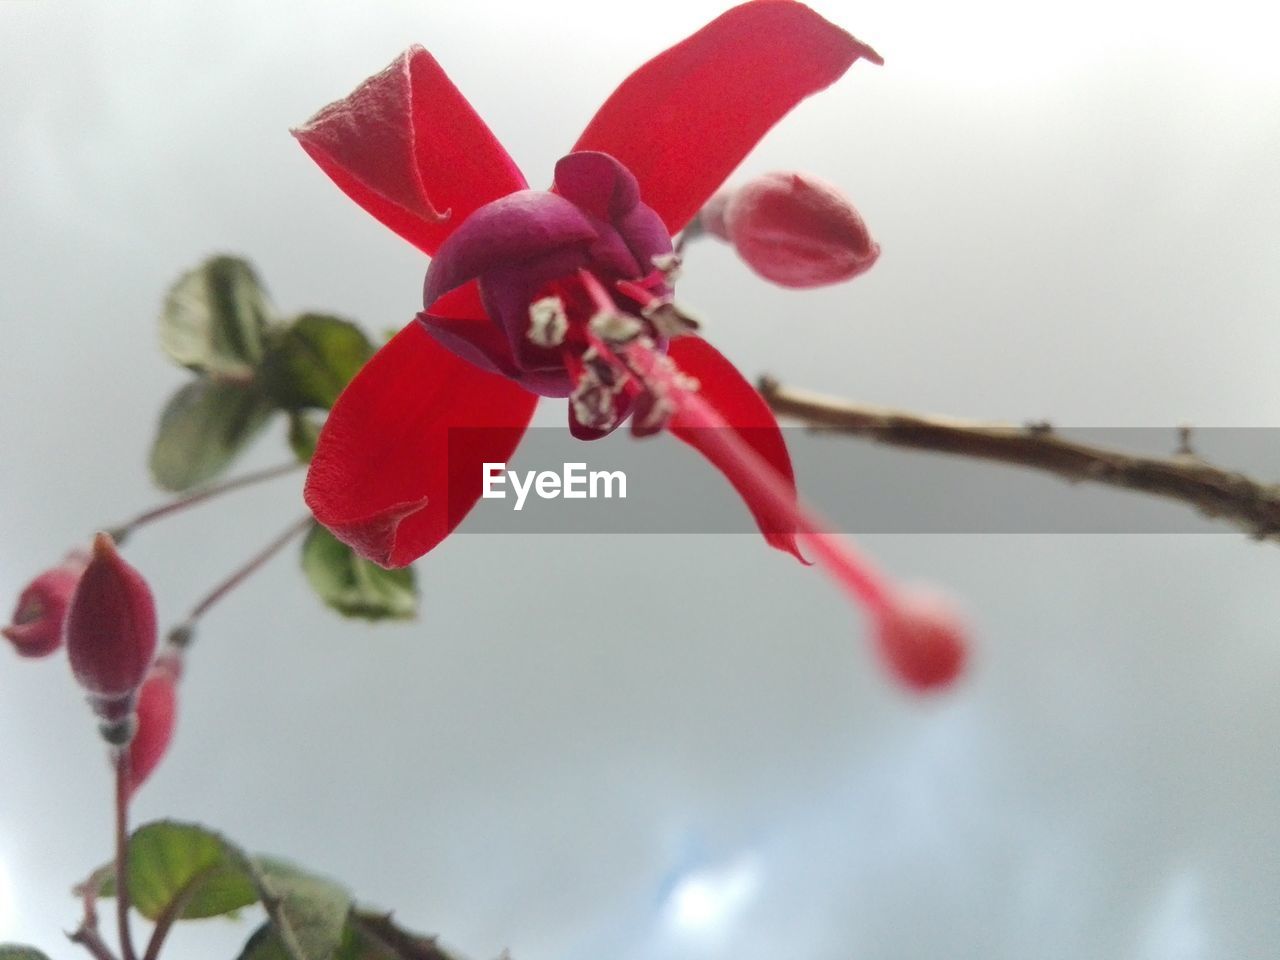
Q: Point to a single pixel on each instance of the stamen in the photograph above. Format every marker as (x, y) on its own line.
(667, 319)
(548, 322)
(594, 398)
(668, 264)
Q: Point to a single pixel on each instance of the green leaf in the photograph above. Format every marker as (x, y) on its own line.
(202, 429)
(353, 586)
(312, 360)
(265, 944)
(376, 936)
(214, 318)
(15, 951)
(304, 432)
(185, 867)
(366, 936)
(309, 914)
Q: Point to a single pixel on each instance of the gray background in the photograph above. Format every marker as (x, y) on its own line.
(696, 756)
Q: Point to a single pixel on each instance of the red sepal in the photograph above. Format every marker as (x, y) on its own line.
(723, 388)
(408, 148)
(398, 463)
(685, 119)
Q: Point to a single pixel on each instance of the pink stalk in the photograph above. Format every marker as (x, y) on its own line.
(836, 554)
(917, 632)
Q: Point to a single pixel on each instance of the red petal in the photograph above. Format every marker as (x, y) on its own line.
(458, 321)
(725, 389)
(407, 147)
(399, 460)
(685, 119)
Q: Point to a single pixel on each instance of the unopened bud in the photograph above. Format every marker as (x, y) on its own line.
(111, 630)
(41, 611)
(157, 714)
(923, 639)
(793, 229)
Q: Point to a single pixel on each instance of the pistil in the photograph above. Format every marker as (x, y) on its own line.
(918, 634)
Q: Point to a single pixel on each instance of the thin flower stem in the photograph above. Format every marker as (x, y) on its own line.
(122, 852)
(241, 574)
(199, 496)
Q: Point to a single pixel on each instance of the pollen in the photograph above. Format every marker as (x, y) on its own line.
(668, 264)
(614, 327)
(548, 322)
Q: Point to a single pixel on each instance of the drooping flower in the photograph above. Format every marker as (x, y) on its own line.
(559, 293)
(111, 632)
(793, 229)
(41, 611)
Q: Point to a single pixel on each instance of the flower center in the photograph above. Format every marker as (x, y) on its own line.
(581, 325)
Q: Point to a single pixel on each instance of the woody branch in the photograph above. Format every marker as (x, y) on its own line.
(1223, 494)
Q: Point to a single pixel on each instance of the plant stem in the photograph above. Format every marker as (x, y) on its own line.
(1249, 504)
(88, 935)
(173, 911)
(199, 496)
(91, 940)
(122, 851)
(180, 635)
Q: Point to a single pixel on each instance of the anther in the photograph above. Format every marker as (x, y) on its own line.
(612, 326)
(548, 322)
(668, 264)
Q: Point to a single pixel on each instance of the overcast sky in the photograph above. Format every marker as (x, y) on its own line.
(697, 756)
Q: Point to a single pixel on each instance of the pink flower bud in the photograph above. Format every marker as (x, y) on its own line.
(793, 229)
(111, 629)
(157, 713)
(41, 611)
(922, 639)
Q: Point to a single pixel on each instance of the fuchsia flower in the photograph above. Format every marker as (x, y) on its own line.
(793, 229)
(561, 293)
(38, 617)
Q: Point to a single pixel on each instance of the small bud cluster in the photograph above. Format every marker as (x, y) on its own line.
(103, 610)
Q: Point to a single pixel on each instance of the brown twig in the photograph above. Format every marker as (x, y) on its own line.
(1250, 504)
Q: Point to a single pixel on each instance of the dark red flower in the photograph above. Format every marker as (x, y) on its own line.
(41, 611)
(793, 229)
(559, 293)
